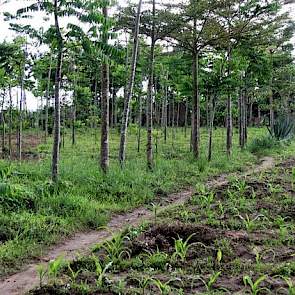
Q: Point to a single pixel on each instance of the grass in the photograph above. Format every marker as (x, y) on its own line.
(34, 214)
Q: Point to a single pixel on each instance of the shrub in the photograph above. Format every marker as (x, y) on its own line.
(259, 145)
(283, 128)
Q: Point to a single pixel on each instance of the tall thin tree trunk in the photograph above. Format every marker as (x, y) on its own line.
(150, 94)
(139, 122)
(74, 123)
(57, 83)
(63, 108)
(271, 111)
(10, 124)
(74, 112)
(196, 107)
(211, 109)
(3, 127)
(186, 119)
(245, 117)
(229, 122)
(259, 117)
(164, 113)
(240, 118)
(47, 100)
(129, 91)
(173, 119)
(104, 152)
(178, 114)
(20, 126)
(271, 100)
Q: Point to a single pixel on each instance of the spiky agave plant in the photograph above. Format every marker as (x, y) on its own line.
(283, 128)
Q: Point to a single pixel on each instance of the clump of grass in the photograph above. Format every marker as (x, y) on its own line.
(262, 144)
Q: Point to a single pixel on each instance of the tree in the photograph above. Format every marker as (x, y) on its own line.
(104, 149)
(128, 93)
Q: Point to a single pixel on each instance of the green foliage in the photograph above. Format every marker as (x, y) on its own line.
(283, 128)
(181, 248)
(255, 286)
(262, 144)
(100, 271)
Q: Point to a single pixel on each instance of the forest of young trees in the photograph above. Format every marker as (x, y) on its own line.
(179, 114)
(192, 63)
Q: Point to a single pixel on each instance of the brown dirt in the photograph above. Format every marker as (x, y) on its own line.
(30, 142)
(81, 243)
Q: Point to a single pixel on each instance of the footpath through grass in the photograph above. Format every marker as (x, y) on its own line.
(35, 214)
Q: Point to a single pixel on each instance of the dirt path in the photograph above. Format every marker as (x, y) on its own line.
(81, 243)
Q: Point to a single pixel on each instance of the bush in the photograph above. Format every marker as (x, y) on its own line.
(283, 128)
(261, 144)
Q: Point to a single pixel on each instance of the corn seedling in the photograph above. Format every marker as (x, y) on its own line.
(290, 285)
(219, 256)
(55, 266)
(155, 211)
(100, 271)
(255, 285)
(73, 274)
(241, 186)
(210, 282)
(163, 287)
(42, 271)
(143, 283)
(249, 223)
(115, 248)
(157, 259)
(181, 248)
(207, 199)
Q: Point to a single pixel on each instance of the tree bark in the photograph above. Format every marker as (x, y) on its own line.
(20, 126)
(196, 108)
(211, 110)
(173, 119)
(186, 119)
(104, 152)
(57, 83)
(164, 113)
(128, 94)
(150, 94)
(10, 124)
(139, 122)
(229, 123)
(47, 100)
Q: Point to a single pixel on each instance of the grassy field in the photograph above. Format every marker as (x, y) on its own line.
(35, 214)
